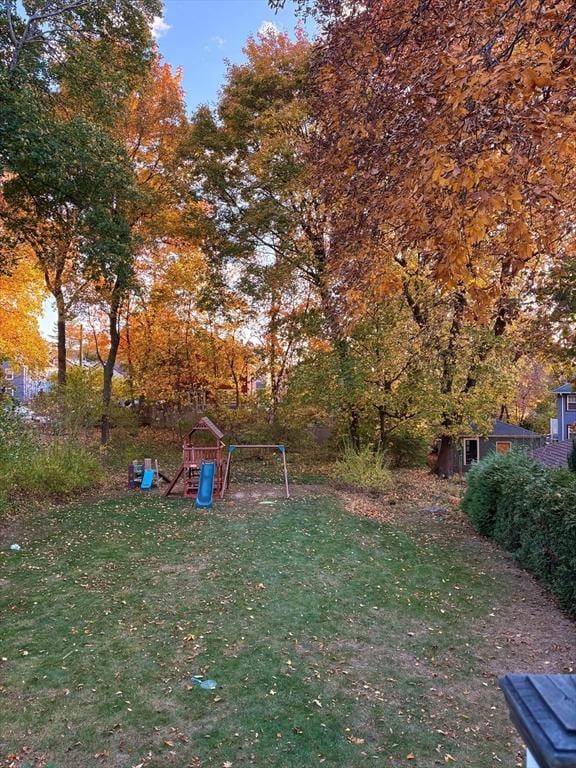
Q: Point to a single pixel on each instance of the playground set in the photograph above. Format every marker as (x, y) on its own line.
(202, 470)
(144, 474)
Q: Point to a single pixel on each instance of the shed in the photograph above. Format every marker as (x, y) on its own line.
(502, 438)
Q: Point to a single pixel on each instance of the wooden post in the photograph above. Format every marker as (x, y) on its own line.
(282, 450)
(225, 481)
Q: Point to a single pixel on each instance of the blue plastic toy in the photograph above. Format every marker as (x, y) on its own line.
(205, 496)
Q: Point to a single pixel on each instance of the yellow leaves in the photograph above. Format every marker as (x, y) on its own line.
(21, 296)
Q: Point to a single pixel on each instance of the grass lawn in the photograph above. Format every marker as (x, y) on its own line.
(335, 639)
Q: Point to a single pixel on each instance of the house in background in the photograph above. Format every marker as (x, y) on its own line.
(16, 381)
(562, 429)
(565, 412)
(501, 439)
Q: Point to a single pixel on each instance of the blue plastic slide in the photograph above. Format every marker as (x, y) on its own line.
(205, 495)
(147, 479)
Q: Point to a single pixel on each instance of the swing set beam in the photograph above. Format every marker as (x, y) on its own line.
(232, 448)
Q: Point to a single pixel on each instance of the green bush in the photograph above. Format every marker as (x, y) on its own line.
(17, 447)
(147, 442)
(364, 469)
(29, 467)
(531, 511)
(572, 457)
(405, 449)
(58, 469)
(75, 407)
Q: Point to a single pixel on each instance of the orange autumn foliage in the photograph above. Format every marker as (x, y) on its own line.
(447, 129)
(21, 296)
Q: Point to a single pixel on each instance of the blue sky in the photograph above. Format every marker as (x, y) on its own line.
(199, 36)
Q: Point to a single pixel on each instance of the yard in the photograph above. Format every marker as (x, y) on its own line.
(342, 630)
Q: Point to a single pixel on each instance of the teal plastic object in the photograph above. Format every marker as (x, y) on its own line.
(205, 496)
(147, 479)
(208, 685)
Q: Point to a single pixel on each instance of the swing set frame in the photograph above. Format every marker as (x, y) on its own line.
(275, 447)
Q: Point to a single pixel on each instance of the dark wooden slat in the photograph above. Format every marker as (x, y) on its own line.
(559, 694)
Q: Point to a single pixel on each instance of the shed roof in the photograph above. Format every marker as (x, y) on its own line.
(501, 428)
(564, 389)
(504, 429)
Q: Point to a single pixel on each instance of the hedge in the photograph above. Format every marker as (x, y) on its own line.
(531, 511)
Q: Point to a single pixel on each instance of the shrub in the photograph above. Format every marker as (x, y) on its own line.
(147, 442)
(59, 469)
(75, 407)
(405, 449)
(30, 467)
(17, 447)
(365, 469)
(531, 511)
(572, 457)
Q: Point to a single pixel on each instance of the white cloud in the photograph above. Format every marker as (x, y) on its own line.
(159, 27)
(219, 41)
(268, 28)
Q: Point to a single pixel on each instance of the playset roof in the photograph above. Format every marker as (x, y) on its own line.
(207, 425)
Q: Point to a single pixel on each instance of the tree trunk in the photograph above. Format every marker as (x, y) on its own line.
(445, 463)
(108, 369)
(129, 356)
(347, 384)
(236, 388)
(61, 326)
(381, 428)
(354, 427)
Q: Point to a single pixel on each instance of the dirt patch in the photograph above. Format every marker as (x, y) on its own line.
(268, 491)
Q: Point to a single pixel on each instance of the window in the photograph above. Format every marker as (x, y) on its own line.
(571, 403)
(503, 446)
(8, 374)
(471, 450)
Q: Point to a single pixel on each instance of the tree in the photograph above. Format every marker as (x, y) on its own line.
(37, 34)
(177, 350)
(266, 216)
(444, 151)
(61, 164)
(21, 296)
(60, 196)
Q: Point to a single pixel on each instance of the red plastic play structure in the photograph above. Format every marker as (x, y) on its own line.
(193, 455)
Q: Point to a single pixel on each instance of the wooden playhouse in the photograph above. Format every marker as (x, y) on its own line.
(195, 451)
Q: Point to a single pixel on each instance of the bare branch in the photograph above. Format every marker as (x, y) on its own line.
(43, 15)
(11, 31)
